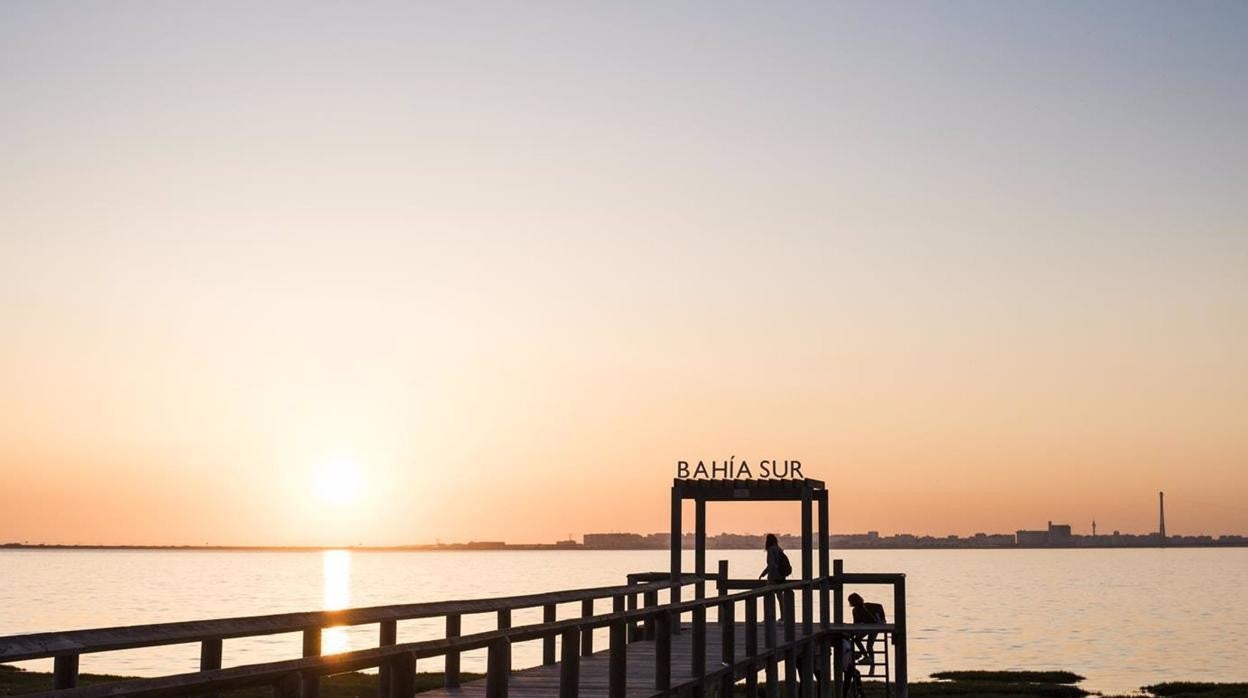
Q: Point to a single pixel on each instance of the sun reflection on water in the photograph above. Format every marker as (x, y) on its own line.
(336, 594)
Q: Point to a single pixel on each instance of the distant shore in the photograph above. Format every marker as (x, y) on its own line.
(492, 546)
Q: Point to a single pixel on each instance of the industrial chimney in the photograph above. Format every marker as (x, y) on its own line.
(1161, 524)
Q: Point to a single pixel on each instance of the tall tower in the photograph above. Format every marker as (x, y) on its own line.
(1161, 523)
(1094, 528)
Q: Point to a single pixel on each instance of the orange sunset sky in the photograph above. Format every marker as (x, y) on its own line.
(393, 273)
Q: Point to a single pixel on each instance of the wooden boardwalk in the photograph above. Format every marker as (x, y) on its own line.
(649, 600)
(594, 669)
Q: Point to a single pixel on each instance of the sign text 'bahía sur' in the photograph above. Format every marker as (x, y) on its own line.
(732, 469)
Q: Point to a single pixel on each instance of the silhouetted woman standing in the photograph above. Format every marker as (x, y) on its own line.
(777, 569)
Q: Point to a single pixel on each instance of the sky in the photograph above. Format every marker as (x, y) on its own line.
(384, 273)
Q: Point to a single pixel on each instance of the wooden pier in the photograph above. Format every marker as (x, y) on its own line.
(658, 644)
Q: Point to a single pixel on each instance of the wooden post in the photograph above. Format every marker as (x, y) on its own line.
(617, 672)
(806, 668)
(504, 618)
(570, 664)
(751, 645)
(387, 635)
(790, 672)
(651, 599)
(210, 658)
(403, 676)
(65, 672)
(790, 623)
(498, 668)
(899, 638)
(699, 546)
(728, 646)
(548, 642)
(676, 533)
(698, 653)
(769, 641)
(289, 686)
(312, 648)
(587, 633)
(824, 616)
(662, 650)
(451, 673)
(808, 566)
(769, 620)
(721, 582)
(838, 617)
(634, 629)
(825, 667)
(312, 642)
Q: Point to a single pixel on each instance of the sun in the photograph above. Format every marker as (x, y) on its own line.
(338, 481)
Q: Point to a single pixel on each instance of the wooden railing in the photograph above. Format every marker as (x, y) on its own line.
(65, 647)
(300, 678)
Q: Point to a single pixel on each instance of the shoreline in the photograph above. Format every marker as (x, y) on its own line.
(15, 681)
(528, 547)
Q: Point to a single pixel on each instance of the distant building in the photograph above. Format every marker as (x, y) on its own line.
(615, 541)
(1060, 534)
(1031, 539)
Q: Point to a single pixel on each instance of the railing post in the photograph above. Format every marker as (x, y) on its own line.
(210, 658)
(751, 645)
(790, 634)
(838, 618)
(651, 599)
(387, 635)
(662, 650)
(769, 641)
(570, 664)
(790, 672)
(825, 666)
(289, 686)
(806, 667)
(498, 668)
(790, 623)
(899, 637)
(617, 675)
(587, 633)
(721, 583)
(65, 671)
(548, 642)
(451, 672)
(698, 655)
(504, 618)
(312, 648)
(728, 645)
(403, 676)
(634, 629)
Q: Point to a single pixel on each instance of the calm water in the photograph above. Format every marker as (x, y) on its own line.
(1123, 618)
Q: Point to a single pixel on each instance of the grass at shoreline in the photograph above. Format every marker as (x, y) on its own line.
(948, 684)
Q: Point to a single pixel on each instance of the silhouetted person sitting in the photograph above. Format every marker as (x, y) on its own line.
(851, 679)
(868, 613)
(778, 566)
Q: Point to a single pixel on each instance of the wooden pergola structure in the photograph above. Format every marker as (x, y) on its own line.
(807, 491)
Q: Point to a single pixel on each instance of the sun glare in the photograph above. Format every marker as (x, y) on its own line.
(338, 482)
